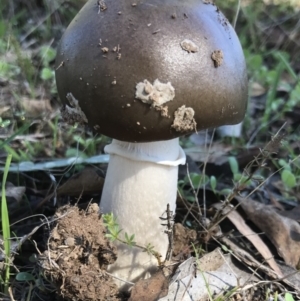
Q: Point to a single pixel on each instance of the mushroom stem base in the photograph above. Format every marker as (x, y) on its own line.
(141, 181)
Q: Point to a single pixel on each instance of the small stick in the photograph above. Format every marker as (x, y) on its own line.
(169, 231)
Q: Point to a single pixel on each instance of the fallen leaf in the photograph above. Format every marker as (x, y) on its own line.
(293, 214)
(185, 269)
(14, 192)
(35, 108)
(282, 231)
(87, 181)
(291, 275)
(217, 155)
(30, 137)
(253, 237)
(14, 195)
(275, 202)
(215, 273)
(151, 289)
(256, 89)
(4, 109)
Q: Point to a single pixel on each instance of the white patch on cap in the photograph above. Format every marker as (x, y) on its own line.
(155, 94)
(189, 46)
(184, 120)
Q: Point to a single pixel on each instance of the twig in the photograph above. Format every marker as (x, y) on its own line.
(169, 232)
(11, 294)
(204, 173)
(237, 13)
(260, 161)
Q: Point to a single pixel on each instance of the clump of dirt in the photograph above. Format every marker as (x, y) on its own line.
(189, 46)
(217, 57)
(183, 239)
(73, 114)
(163, 111)
(157, 94)
(78, 254)
(184, 119)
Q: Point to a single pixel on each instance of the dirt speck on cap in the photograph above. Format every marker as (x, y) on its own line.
(217, 57)
(189, 46)
(101, 5)
(78, 254)
(73, 114)
(116, 48)
(156, 31)
(156, 94)
(104, 49)
(184, 119)
(60, 65)
(163, 111)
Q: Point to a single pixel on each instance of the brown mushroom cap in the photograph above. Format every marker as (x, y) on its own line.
(113, 45)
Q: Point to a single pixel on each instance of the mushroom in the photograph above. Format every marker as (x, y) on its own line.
(175, 77)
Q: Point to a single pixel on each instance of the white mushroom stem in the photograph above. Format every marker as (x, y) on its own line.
(141, 181)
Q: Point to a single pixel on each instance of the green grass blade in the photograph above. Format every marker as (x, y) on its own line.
(272, 93)
(6, 225)
(288, 67)
(20, 131)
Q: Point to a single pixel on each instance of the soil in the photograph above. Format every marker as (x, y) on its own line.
(74, 114)
(183, 239)
(78, 254)
(184, 119)
(217, 57)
